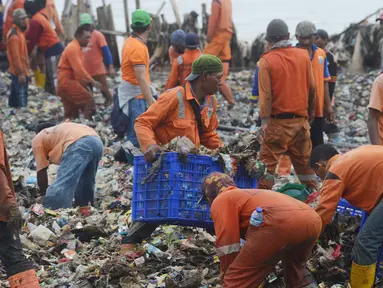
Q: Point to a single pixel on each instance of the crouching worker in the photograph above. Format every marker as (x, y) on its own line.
(19, 270)
(275, 226)
(77, 149)
(183, 111)
(355, 176)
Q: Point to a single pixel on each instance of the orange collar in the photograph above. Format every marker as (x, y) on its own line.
(332, 161)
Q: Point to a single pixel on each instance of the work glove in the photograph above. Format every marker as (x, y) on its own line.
(150, 154)
(15, 221)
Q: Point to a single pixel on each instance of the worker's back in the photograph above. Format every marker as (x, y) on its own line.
(48, 36)
(185, 62)
(290, 73)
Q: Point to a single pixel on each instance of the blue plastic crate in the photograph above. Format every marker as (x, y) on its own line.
(346, 208)
(172, 196)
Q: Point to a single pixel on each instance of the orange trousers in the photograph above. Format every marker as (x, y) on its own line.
(220, 47)
(287, 234)
(75, 98)
(290, 137)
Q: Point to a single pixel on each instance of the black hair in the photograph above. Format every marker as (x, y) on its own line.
(41, 4)
(139, 29)
(88, 27)
(31, 8)
(276, 39)
(80, 31)
(322, 152)
(44, 125)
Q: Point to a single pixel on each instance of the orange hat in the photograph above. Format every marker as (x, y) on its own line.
(213, 184)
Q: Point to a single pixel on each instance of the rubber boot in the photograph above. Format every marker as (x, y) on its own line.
(362, 276)
(26, 279)
(36, 73)
(42, 80)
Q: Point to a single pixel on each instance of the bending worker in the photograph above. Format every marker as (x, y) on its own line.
(285, 112)
(183, 111)
(182, 67)
(97, 57)
(74, 82)
(277, 227)
(219, 34)
(77, 149)
(355, 176)
(19, 270)
(375, 112)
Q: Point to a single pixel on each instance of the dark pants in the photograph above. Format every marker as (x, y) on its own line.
(19, 93)
(51, 64)
(316, 132)
(370, 239)
(136, 108)
(11, 253)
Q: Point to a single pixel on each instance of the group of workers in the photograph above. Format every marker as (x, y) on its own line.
(293, 87)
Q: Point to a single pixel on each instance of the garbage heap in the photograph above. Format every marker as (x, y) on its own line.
(79, 247)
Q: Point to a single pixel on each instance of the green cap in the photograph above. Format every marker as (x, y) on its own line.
(205, 64)
(86, 18)
(141, 18)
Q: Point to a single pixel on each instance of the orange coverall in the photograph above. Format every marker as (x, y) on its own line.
(17, 52)
(355, 176)
(172, 115)
(220, 30)
(286, 110)
(17, 4)
(181, 68)
(73, 80)
(289, 231)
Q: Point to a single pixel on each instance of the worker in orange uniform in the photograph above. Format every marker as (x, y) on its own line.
(74, 82)
(134, 92)
(305, 33)
(276, 228)
(177, 45)
(17, 53)
(285, 112)
(41, 34)
(189, 111)
(375, 112)
(355, 176)
(8, 16)
(98, 56)
(19, 270)
(182, 67)
(219, 34)
(50, 11)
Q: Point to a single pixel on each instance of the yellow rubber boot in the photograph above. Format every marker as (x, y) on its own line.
(36, 73)
(362, 276)
(41, 80)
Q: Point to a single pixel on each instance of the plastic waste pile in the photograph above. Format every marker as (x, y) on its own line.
(79, 247)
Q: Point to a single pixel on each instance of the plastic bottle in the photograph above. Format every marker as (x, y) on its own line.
(256, 218)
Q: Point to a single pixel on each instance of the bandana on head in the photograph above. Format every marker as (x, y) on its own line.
(213, 185)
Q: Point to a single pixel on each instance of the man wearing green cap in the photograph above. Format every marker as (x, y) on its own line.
(97, 56)
(183, 111)
(134, 93)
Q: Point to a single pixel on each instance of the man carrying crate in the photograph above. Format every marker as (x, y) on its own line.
(183, 111)
(355, 176)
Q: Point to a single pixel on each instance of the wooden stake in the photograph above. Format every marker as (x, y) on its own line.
(138, 4)
(126, 11)
(176, 12)
(160, 9)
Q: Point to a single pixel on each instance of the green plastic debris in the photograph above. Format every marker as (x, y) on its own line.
(297, 191)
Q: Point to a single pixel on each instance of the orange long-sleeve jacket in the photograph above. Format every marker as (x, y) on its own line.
(71, 65)
(231, 212)
(172, 115)
(355, 176)
(17, 52)
(17, 4)
(181, 68)
(7, 192)
(221, 18)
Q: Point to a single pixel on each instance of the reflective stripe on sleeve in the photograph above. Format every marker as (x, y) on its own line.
(181, 105)
(228, 249)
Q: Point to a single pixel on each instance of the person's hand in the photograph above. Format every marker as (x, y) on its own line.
(108, 102)
(150, 154)
(208, 39)
(111, 71)
(261, 132)
(22, 80)
(97, 85)
(15, 221)
(330, 115)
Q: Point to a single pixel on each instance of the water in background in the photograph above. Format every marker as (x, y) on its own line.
(252, 16)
